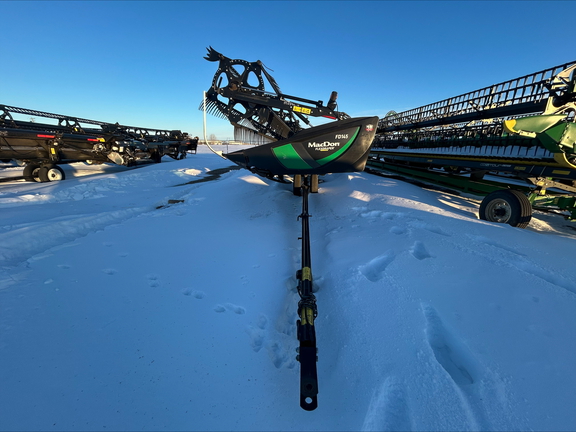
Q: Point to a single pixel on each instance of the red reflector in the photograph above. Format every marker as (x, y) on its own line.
(330, 117)
(46, 136)
(91, 139)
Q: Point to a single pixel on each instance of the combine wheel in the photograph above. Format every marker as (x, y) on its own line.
(506, 206)
(51, 173)
(31, 172)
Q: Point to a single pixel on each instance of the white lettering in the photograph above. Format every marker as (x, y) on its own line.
(324, 144)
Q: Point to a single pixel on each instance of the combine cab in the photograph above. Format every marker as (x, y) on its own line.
(522, 129)
(42, 147)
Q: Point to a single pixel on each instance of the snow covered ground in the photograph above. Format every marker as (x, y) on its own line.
(124, 309)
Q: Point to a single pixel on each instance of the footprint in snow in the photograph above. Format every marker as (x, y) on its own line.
(449, 351)
(388, 409)
(153, 280)
(475, 383)
(374, 270)
(235, 308)
(194, 293)
(397, 230)
(279, 351)
(258, 334)
(419, 251)
(231, 307)
(371, 214)
(392, 215)
(277, 354)
(256, 338)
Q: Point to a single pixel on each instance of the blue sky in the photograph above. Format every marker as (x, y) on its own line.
(141, 63)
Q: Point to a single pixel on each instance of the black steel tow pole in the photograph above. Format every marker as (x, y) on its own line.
(307, 312)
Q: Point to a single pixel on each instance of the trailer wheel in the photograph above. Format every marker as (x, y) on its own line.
(51, 173)
(31, 172)
(506, 206)
(156, 157)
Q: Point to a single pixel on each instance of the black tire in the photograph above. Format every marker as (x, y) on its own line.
(155, 156)
(51, 173)
(506, 206)
(31, 172)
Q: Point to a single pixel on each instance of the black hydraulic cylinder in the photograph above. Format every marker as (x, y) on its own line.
(307, 351)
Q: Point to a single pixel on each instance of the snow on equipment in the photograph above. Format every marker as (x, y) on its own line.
(42, 146)
(522, 129)
(287, 148)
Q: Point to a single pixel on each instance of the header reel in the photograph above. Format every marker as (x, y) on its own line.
(249, 97)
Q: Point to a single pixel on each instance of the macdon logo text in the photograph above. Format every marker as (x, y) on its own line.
(323, 144)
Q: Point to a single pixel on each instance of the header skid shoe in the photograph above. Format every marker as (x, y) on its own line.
(341, 146)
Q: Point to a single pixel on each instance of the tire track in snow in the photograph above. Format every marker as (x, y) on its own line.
(507, 256)
(22, 243)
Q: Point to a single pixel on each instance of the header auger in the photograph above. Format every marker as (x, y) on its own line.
(522, 127)
(289, 149)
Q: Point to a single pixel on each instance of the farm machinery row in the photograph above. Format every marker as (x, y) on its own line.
(42, 147)
(512, 142)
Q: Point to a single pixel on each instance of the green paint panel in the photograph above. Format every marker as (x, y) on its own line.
(538, 124)
(289, 158)
(334, 155)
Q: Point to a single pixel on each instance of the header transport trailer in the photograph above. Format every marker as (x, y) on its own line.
(521, 130)
(247, 96)
(41, 147)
